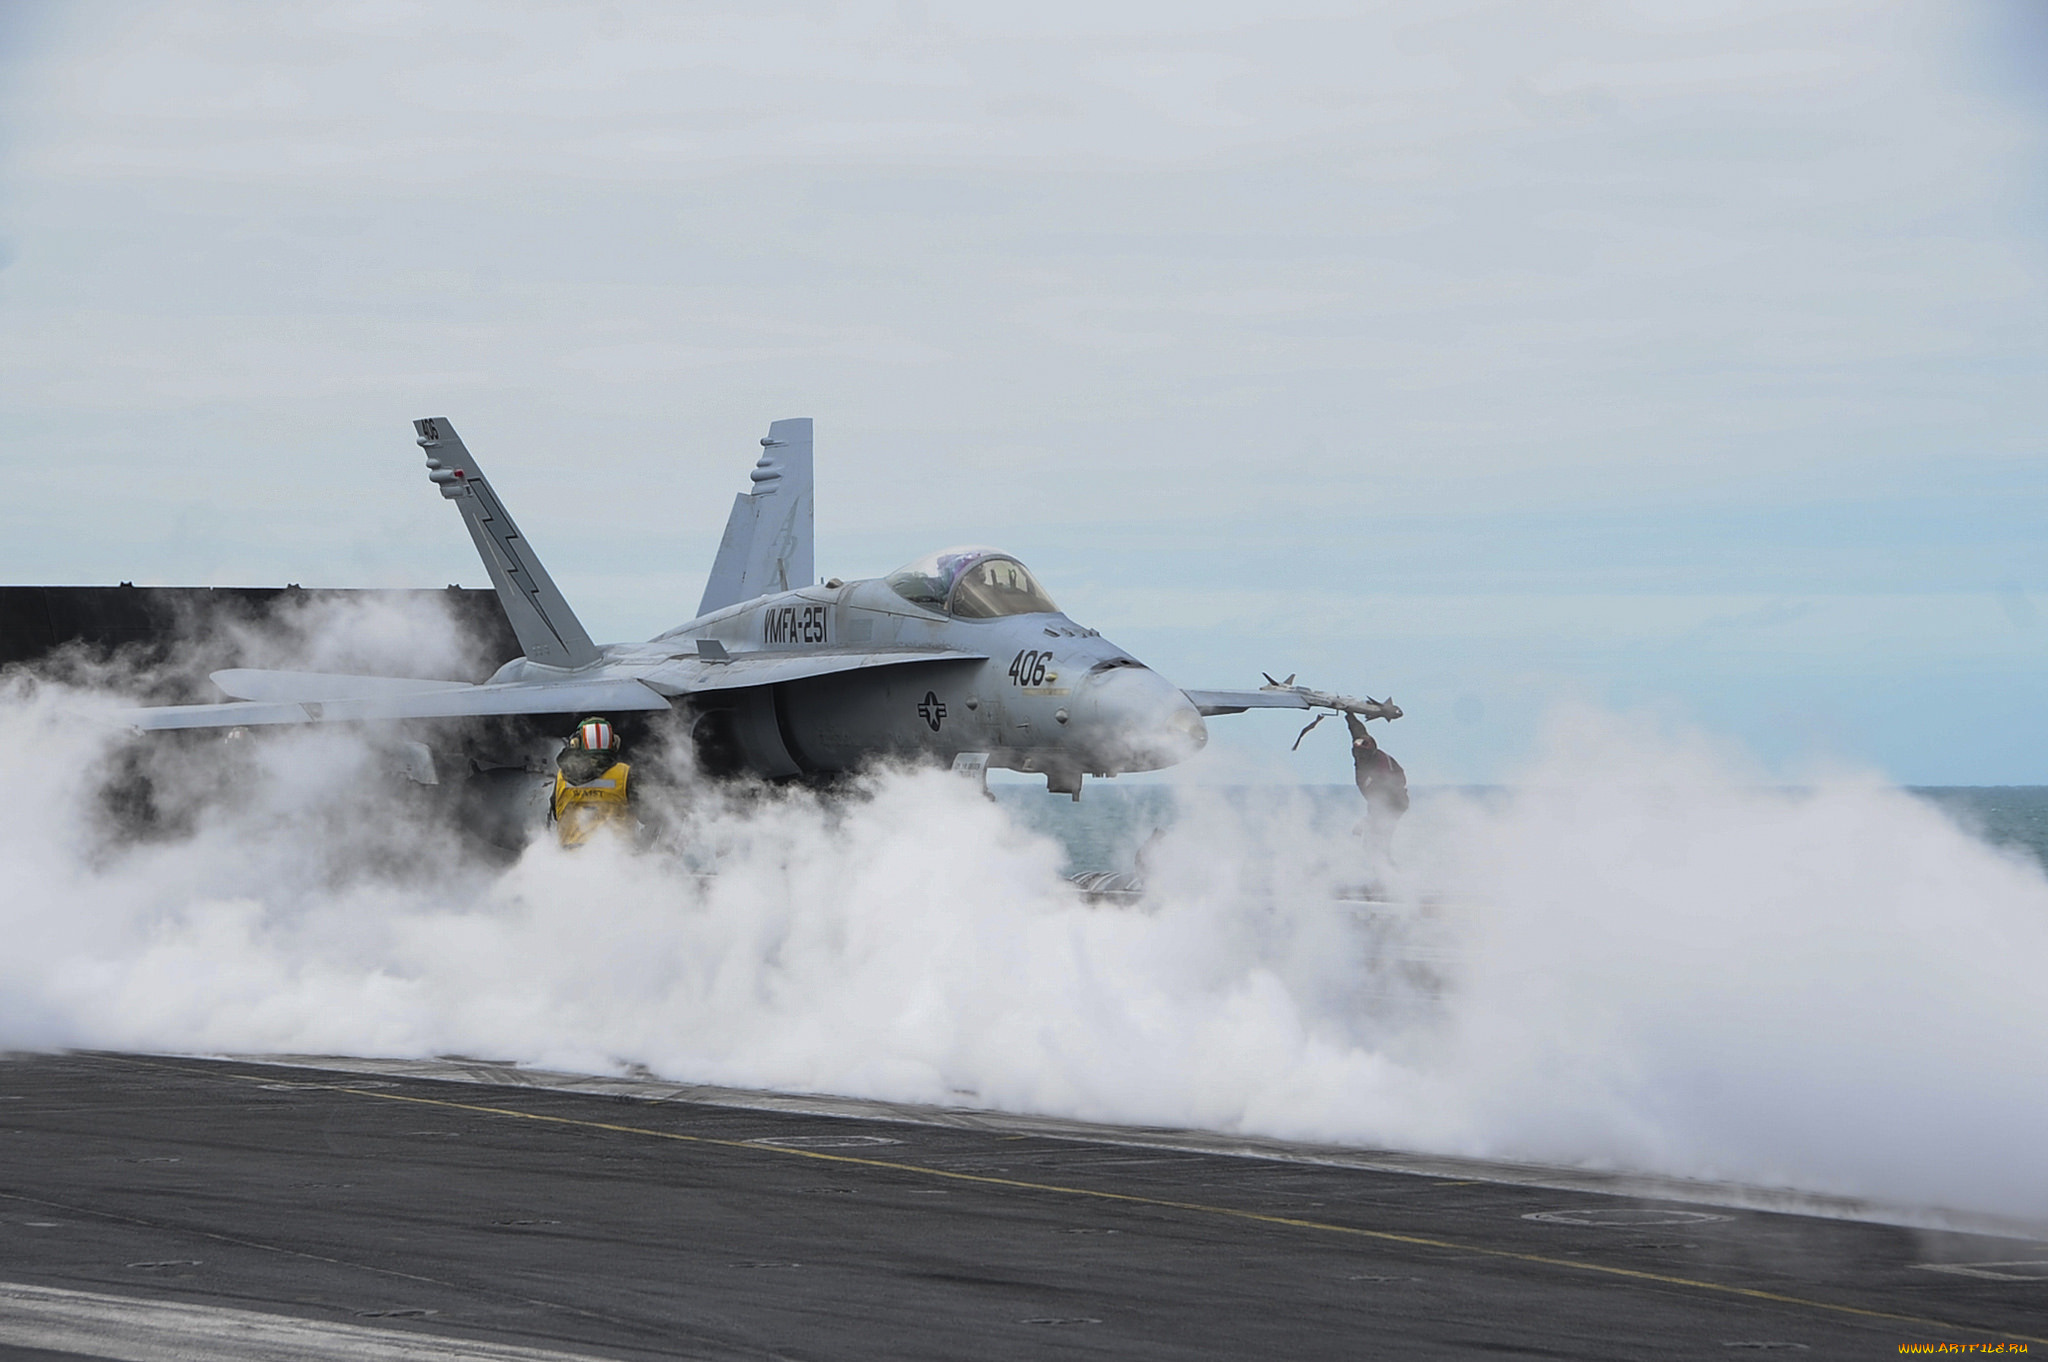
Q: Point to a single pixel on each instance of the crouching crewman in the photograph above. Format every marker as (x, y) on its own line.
(590, 785)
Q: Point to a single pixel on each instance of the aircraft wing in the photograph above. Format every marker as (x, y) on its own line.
(1212, 702)
(1287, 695)
(276, 697)
(248, 683)
(688, 676)
(401, 700)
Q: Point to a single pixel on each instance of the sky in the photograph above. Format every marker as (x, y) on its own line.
(1680, 359)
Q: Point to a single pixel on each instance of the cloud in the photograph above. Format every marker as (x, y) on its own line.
(1044, 279)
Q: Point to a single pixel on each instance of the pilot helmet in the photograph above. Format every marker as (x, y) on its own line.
(594, 735)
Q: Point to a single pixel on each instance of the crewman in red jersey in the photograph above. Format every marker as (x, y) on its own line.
(1383, 783)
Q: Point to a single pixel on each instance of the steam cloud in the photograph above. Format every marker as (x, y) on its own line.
(1655, 961)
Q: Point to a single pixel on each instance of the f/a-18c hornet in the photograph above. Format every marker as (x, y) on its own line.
(960, 658)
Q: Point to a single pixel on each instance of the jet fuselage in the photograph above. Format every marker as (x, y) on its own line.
(1034, 692)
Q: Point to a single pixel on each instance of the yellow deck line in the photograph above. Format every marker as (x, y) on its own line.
(1199, 1208)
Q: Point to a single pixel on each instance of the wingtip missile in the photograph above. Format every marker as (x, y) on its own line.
(1367, 708)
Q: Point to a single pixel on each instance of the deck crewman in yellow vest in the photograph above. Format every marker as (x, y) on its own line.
(590, 784)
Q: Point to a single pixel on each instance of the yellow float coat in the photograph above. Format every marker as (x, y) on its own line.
(580, 810)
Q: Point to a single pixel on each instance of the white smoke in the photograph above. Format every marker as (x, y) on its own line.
(1657, 962)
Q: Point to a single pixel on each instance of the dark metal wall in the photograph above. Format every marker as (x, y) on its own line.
(147, 624)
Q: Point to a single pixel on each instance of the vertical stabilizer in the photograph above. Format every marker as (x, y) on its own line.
(548, 630)
(768, 538)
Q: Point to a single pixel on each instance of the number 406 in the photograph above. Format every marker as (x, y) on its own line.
(1029, 668)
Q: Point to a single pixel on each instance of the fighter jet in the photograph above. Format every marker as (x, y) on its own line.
(959, 658)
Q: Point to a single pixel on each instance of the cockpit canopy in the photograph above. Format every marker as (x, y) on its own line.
(971, 583)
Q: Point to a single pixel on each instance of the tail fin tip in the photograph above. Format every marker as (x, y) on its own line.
(548, 630)
(769, 537)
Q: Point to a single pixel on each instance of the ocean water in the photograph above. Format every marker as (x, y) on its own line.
(1105, 828)
(2012, 816)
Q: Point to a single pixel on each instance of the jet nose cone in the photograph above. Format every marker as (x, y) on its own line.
(1133, 719)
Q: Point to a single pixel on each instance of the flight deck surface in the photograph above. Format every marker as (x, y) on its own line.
(159, 1207)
